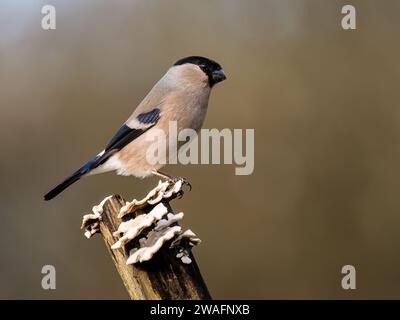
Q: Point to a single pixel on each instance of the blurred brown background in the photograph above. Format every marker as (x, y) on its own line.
(324, 103)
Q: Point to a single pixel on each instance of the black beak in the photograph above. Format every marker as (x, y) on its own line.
(218, 75)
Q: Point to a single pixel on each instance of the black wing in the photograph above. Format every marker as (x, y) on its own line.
(126, 134)
(123, 136)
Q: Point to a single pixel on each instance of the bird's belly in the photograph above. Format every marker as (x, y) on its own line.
(133, 158)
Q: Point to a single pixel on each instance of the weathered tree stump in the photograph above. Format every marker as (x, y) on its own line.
(162, 277)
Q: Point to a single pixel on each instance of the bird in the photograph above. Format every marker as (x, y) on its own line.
(181, 95)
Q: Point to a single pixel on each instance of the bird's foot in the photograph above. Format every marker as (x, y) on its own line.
(173, 180)
(184, 181)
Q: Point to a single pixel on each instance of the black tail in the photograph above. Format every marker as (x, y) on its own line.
(71, 179)
(63, 185)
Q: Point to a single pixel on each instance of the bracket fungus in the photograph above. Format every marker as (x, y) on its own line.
(164, 190)
(148, 232)
(183, 243)
(133, 227)
(91, 221)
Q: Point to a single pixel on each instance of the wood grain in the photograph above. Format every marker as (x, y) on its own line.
(163, 277)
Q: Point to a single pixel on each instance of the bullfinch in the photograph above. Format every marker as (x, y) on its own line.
(181, 95)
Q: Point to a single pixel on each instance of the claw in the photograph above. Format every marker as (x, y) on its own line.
(185, 181)
(173, 180)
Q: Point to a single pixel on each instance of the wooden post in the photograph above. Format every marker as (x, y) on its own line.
(162, 277)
